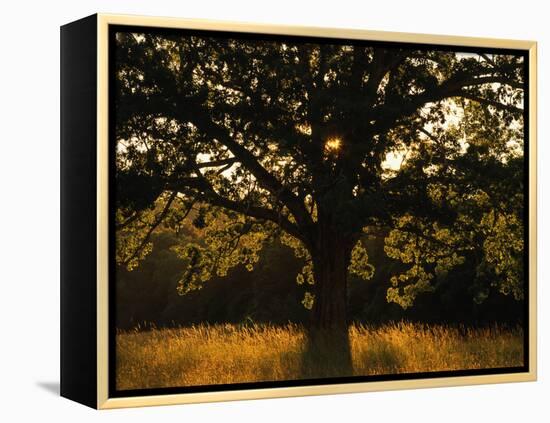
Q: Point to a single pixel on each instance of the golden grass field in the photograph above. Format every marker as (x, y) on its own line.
(216, 354)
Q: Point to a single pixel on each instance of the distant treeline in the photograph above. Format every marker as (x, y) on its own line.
(270, 293)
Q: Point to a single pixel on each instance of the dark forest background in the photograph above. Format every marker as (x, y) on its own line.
(147, 295)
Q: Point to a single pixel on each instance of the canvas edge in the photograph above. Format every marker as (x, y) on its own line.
(103, 400)
(77, 114)
(533, 189)
(102, 213)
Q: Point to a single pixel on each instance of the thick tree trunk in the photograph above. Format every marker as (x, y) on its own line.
(328, 342)
(330, 270)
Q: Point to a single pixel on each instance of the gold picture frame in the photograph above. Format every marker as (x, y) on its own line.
(98, 396)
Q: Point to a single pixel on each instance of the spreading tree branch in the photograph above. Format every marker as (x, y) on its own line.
(203, 120)
(488, 102)
(453, 87)
(208, 194)
(217, 163)
(158, 220)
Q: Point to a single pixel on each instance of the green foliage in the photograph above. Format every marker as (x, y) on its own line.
(503, 252)
(306, 274)
(308, 300)
(134, 228)
(472, 214)
(428, 247)
(228, 240)
(359, 264)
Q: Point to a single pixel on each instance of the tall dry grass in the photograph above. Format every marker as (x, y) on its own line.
(218, 354)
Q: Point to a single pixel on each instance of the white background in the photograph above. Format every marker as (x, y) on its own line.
(29, 210)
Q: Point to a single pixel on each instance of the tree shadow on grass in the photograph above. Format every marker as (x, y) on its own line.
(326, 354)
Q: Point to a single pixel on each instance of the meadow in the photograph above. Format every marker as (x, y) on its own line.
(227, 353)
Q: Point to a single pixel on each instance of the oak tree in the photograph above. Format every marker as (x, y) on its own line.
(321, 143)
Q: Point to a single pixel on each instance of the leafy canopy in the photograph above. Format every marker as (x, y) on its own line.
(260, 138)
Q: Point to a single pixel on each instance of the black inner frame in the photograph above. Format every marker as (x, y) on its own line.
(113, 392)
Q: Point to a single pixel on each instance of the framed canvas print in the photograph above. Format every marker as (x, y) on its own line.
(253, 211)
